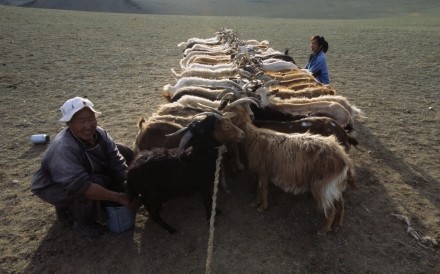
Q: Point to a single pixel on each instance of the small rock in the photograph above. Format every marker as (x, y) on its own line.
(431, 108)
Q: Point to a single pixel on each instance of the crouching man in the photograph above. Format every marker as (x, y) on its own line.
(81, 169)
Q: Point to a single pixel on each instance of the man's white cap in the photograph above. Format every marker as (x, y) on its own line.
(74, 105)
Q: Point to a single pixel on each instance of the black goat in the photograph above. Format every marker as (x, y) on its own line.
(160, 175)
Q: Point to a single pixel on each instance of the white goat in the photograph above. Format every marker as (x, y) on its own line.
(222, 73)
(202, 82)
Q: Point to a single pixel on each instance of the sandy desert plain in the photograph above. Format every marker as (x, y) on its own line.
(388, 67)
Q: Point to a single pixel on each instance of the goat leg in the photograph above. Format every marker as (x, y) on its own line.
(153, 212)
(340, 209)
(263, 184)
(155, 216)
(328, 222)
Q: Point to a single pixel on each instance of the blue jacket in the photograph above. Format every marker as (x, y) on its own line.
(318, 66)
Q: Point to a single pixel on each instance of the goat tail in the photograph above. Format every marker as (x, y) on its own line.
(141, 122)
(175, 73)
(182, 44)
(182, 64)
(357, 112)
(168, 88)
(167, 95)
(331, 189)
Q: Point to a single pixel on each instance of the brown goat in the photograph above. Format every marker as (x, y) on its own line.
(152, 135)
(315, 125)
(296, 163)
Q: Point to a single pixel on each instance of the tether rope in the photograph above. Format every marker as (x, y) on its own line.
(221, 150)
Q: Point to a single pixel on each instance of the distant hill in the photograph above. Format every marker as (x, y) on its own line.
(124, 6)
(299, 9)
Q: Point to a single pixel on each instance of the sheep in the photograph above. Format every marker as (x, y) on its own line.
(324, 126)
(158, 176)
(296, 163)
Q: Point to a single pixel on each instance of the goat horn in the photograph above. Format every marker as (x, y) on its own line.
(271, 82)
(226, 91)
(184, 141)
(208, 107)
(177, 132)
(243, 100)
(216, 114)
(228, 95)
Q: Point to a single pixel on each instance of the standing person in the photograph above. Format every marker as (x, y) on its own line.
(81, 168)
(317, 63)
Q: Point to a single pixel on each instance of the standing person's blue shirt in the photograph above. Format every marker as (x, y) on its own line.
(317, 64)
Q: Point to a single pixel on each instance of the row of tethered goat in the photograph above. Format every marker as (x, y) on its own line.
(285, 126)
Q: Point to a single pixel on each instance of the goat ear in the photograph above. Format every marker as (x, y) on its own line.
(141, 122)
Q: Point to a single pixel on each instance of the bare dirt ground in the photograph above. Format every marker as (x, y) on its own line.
(389, 68)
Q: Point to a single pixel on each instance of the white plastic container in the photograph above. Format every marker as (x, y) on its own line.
(120, 218)
(40, 139)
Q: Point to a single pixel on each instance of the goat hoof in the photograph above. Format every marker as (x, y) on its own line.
(322, 233)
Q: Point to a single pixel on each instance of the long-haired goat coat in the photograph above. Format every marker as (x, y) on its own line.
(297, 163)
(158, 176)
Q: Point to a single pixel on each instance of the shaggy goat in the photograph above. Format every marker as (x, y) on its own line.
(330, 109)
(307, 92)
(297, 163)
(158, 176)
(324, 126)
